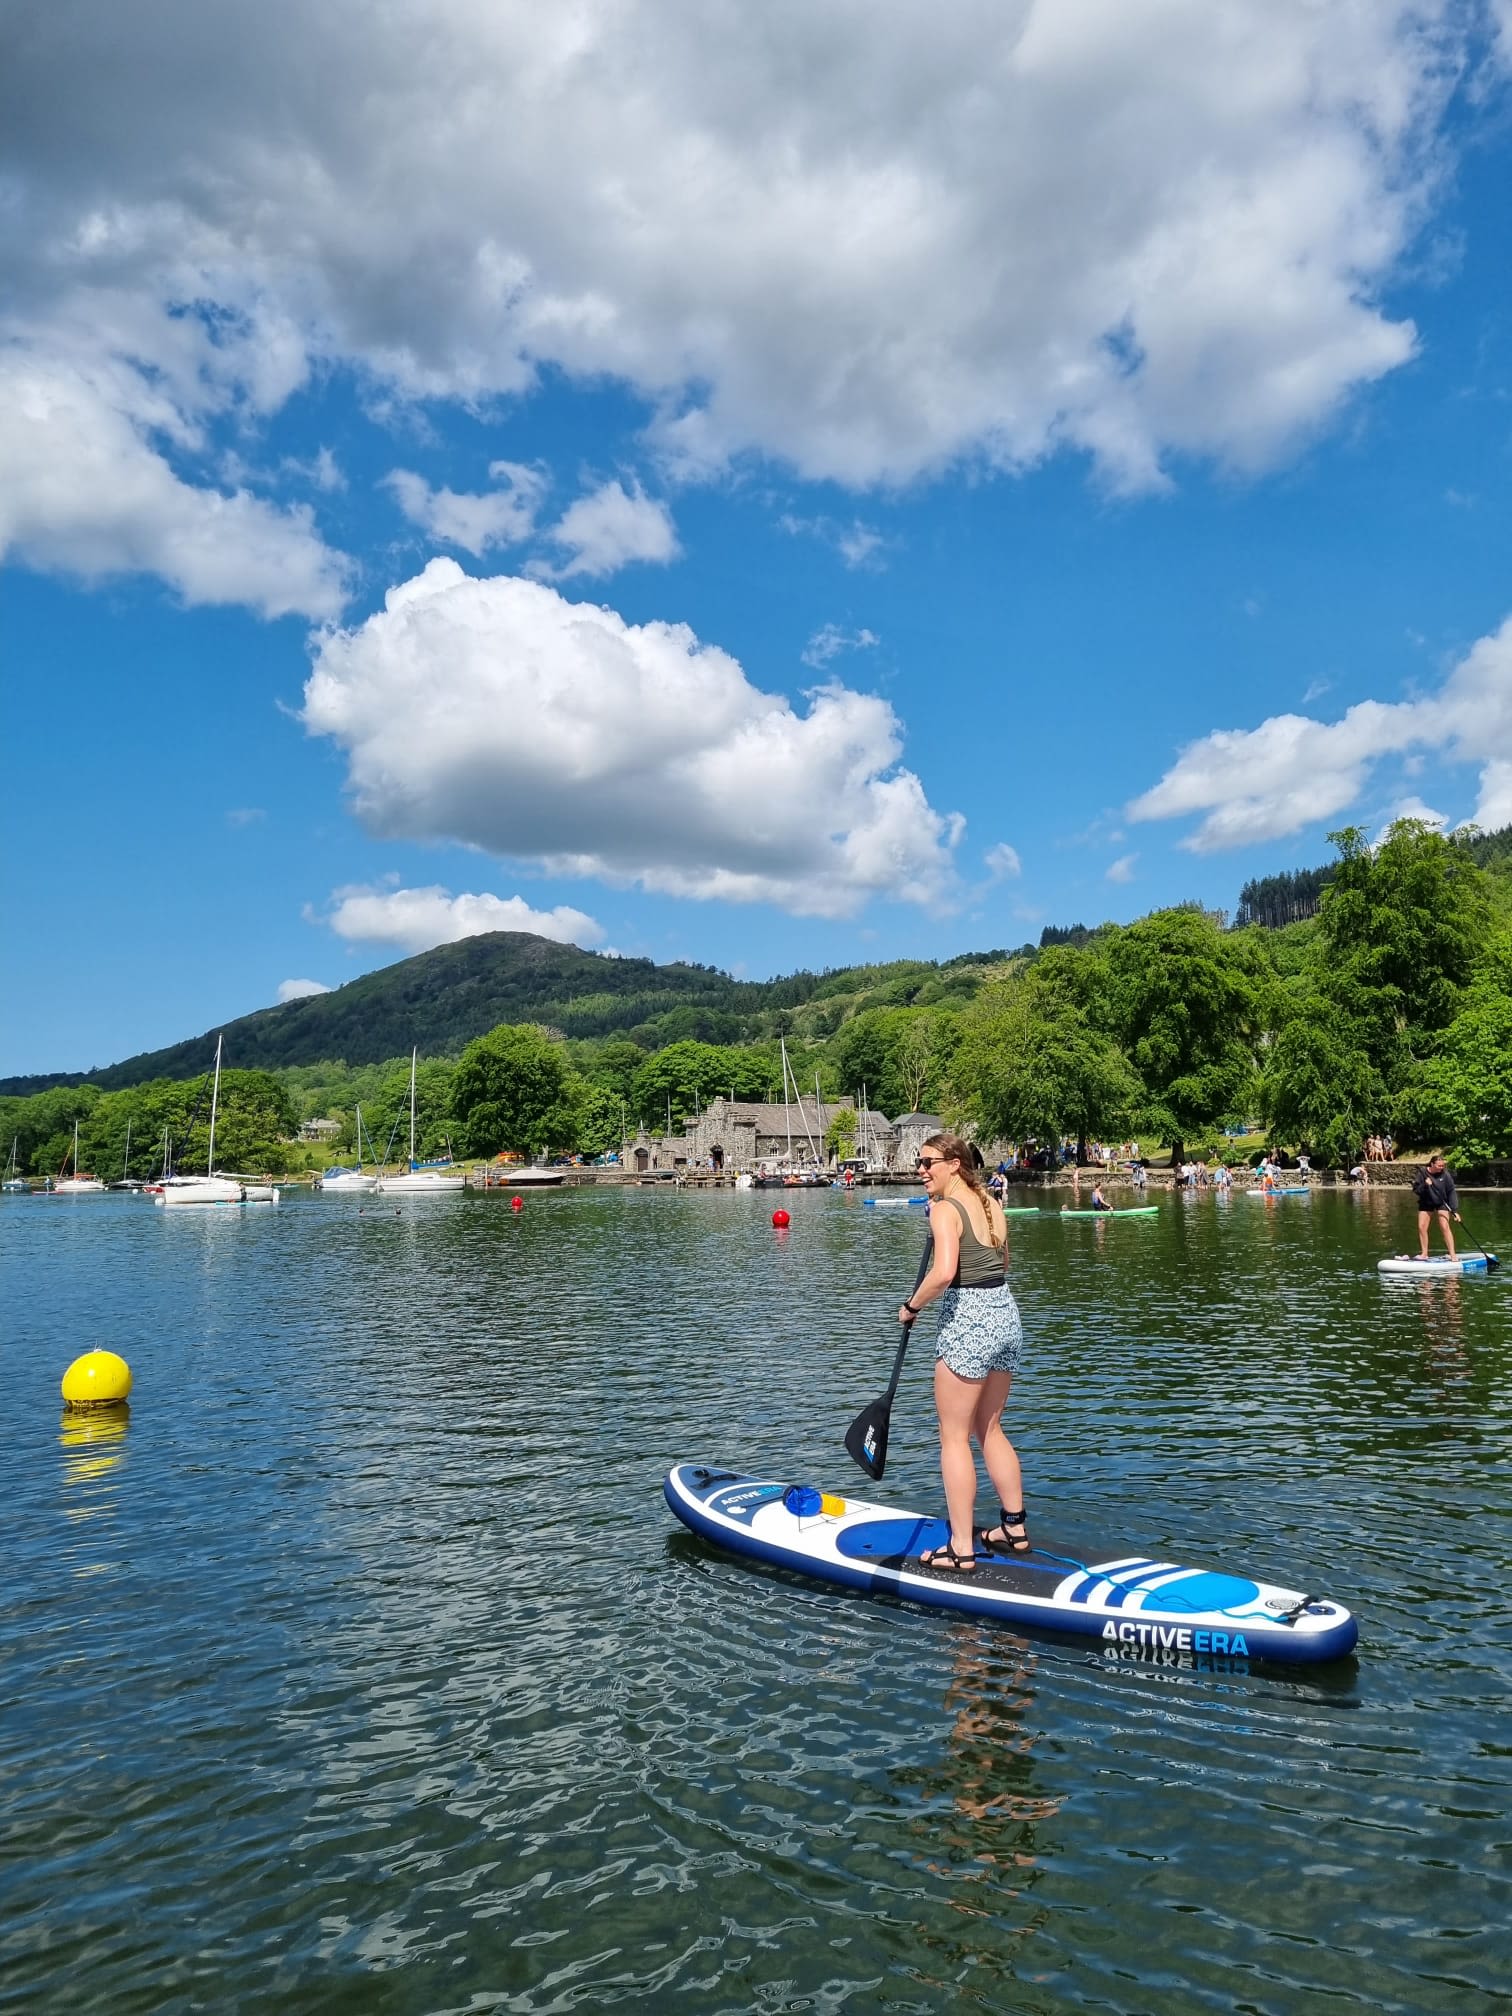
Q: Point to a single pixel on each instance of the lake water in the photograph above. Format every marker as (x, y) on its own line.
(366, 1671)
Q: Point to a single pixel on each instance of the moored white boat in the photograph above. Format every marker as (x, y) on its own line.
(421, 1179)
(197, 1190)
(77, 1185)
(358, 1181)
(209, 1189)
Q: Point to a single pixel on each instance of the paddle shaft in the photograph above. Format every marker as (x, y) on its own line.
(907, 1328)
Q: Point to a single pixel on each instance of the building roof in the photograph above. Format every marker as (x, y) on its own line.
(773, 1119)
(919, 1120)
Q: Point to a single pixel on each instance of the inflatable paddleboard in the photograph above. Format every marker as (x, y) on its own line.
(1282, 1190)
(1118, 1211)
(891, 1203)
(1130, 1604)
(1438, 1263)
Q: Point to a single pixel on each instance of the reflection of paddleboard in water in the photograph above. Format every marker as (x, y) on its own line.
(1438, 1263)
(1125, 1600)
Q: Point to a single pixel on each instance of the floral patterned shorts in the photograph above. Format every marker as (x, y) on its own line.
(980, 1331)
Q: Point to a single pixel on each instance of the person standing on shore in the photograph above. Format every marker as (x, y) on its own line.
(977, 1352)
(1437, 1198)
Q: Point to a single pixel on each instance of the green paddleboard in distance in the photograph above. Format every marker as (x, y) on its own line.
(1129, 1211)
(1024, 1211)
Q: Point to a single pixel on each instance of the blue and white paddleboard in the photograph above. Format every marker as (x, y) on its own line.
(1437, 1263)
(1282, 1190)
(1128, 1602)
(891, 1203)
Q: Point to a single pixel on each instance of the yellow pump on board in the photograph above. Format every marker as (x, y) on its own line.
(98, 1379)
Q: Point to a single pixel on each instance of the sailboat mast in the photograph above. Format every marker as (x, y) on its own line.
(126, 1158)
(413, 1055)
(782, 1042)
(359, 1140)
(214, 1102)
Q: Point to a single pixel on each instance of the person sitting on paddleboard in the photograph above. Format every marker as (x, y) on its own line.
(977, 1351)
(1099, 1202)
(1437, 1198)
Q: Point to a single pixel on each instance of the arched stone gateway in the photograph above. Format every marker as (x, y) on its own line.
(642, 1159)
(716, 1157)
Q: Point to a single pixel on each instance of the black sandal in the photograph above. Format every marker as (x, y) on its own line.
(1005, 1543)
(947, 1559)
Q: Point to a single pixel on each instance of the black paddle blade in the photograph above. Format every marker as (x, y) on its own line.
(866, 1437)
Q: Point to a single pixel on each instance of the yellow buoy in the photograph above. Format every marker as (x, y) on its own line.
(98, 1379)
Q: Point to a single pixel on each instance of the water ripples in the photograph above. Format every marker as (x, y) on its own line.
(365, 1669)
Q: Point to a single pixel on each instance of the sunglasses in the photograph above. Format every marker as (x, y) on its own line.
(930, 1161)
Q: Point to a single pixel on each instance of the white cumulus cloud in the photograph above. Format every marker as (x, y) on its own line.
(497, 713)
(85, 490)
(609, 528)
(473, 521)
(1122, 870)
(300, 990)
(1003, 862)
(417, 919)
(869, 241)
(1260, 783)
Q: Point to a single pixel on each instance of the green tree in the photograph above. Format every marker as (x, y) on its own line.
(1401, 927)
(865, 1052)
(1186, 1001)
(1319, 1089)
(689, 1075)
(1030, 1066)
(613, 1065)
(840, 1134)
(920, 1058)
(1461, 1095)
(513, 1090)
(253, 1115)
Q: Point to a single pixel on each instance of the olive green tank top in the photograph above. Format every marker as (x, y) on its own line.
(980, 1266)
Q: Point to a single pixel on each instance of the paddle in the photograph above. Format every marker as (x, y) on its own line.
(866, 1437)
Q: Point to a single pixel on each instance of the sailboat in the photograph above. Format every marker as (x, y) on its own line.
(209, 1188)
(77, 1185)
(349, 1179)
(793, 1175)
(428, 1179)
(127, 1181)
(14, 1180)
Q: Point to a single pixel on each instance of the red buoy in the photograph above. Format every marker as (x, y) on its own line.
(781, 1220)
(517, 1203)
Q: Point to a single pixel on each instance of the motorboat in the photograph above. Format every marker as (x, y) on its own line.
(350, 1182)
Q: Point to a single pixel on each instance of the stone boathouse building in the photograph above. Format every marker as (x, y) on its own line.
(748, 1135)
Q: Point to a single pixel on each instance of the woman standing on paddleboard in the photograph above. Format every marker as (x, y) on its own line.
(976, 1352)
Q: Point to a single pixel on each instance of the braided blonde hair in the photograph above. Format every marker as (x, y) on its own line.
(959, 1151)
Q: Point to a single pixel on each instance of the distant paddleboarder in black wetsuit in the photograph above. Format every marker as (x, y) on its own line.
(1437, 1198)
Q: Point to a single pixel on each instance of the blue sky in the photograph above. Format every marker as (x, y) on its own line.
(828, 486)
